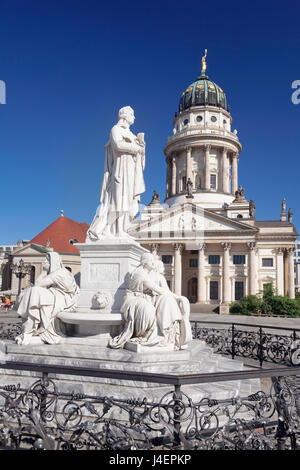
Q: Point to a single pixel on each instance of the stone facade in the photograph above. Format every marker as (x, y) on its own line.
(214, 249)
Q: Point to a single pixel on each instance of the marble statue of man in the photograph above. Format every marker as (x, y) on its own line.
(123, 180)
(55, 290)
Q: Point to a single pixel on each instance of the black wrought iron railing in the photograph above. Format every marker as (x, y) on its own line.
(279, 345)
(192, 412)
(40, 416)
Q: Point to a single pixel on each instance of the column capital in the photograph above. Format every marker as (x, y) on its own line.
(188, 148)
(224, 150)
(178, 247)
(207, 147)
(279, 251)
(226, 245)
(251, 246)
(201, 246)
(234, 154)
(290, 251)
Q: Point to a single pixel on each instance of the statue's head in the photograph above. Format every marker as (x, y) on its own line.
(127, 114)
(147, 261)
(52, 262)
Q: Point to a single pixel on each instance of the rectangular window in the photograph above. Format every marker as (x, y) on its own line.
(213, 181)
(194, 263)
(239, 290)
(194, 252)
(167, 259)
(267, 262)
(238, 259)
(214, 259)
(214, 290)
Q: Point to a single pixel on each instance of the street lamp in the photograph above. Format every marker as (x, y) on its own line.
(20, 270)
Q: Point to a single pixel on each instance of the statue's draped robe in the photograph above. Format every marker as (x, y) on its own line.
(40, 305)
(172, 315)
(123, 181)
(139, 313)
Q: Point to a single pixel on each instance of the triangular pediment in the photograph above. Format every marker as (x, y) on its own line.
(30, 250)
(190, 220)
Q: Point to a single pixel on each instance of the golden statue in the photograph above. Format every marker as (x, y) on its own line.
(204, 63)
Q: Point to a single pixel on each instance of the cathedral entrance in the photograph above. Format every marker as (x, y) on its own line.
(192, 290)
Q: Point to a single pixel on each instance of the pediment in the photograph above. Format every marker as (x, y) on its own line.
(31, 249)
(189, 220)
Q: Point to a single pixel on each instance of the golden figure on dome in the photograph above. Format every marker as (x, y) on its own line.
(204, 63)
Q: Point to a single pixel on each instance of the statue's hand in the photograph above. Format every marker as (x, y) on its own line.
(117, 180)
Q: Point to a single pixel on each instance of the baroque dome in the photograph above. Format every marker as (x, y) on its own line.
(203, 92)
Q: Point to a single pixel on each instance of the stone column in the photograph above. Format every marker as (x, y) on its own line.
(234, 173)
(226, 279)
(224, 170)
(252, 269)
(201, 297)
(280, 271)
(173, 176)
(178, 247)
(291, 285)
(189, 166)
(207, 167)
(168, 179)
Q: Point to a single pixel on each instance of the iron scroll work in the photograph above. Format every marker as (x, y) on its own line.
(40, 417)
(281, 346)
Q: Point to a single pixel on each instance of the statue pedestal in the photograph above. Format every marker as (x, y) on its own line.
(105, 267)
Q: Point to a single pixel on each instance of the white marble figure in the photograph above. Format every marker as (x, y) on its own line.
(153, 315)
(172, 312)
(55, 290)
(123, 180)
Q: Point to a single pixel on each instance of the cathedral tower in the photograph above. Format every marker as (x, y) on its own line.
(203, 148)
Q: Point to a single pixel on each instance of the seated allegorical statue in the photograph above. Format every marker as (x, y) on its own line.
(55, 290)
(172, 312)
(153, 315)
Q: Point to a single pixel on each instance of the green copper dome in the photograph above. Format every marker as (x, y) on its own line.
(203, 92)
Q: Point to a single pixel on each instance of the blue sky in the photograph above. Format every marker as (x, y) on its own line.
(69, 65)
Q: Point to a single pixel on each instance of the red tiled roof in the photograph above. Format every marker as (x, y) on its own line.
(60, 232)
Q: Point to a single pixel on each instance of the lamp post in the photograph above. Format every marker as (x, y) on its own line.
(20, 270)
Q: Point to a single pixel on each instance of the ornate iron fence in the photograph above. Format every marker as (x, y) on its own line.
(10, 330)
(42, 417)
(251, 342)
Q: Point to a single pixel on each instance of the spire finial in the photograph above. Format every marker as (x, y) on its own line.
(61, 212)
(204, 63)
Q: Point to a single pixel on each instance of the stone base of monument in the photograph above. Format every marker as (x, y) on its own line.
(105, 268)
(198, 358)
(90, 328)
